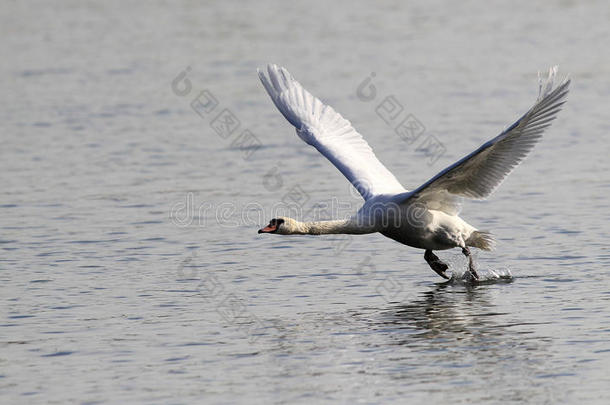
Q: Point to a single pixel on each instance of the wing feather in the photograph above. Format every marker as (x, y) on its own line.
(332, 135)
(477, 175)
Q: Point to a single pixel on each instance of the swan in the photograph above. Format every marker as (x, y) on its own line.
(427, 217)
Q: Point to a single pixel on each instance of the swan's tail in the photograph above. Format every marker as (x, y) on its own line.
(482, 240)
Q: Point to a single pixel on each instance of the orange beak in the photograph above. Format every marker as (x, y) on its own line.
(268, 229)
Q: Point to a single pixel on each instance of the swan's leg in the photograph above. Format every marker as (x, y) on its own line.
(471, 269)
(436, 264)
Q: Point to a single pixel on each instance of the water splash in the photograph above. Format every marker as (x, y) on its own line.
(488, 276)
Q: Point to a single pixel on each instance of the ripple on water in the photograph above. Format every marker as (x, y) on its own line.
(58, 354)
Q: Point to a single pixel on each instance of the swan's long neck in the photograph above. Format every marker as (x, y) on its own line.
(346, 226)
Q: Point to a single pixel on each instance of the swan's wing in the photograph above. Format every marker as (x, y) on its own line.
(477, 175)
(332, 135)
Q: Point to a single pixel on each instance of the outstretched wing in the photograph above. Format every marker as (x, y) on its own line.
(332, 135)
(477, 175)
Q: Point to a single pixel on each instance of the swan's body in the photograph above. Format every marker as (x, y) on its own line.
(427, 217)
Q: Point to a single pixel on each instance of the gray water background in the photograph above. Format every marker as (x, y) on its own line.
(108, 297)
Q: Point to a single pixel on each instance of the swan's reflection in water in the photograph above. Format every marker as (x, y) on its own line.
(445, 312)
(450, 316)
(459, 336)
(449, 340)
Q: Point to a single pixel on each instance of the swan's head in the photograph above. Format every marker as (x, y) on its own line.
(281, 225)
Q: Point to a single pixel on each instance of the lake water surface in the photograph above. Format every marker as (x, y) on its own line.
(130, 266)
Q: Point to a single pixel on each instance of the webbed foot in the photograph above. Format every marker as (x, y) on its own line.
(436, 264)
(471, 269)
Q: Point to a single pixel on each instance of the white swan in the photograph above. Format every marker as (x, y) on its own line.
(426, 218)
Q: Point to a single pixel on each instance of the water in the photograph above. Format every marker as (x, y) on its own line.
(106, 299)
